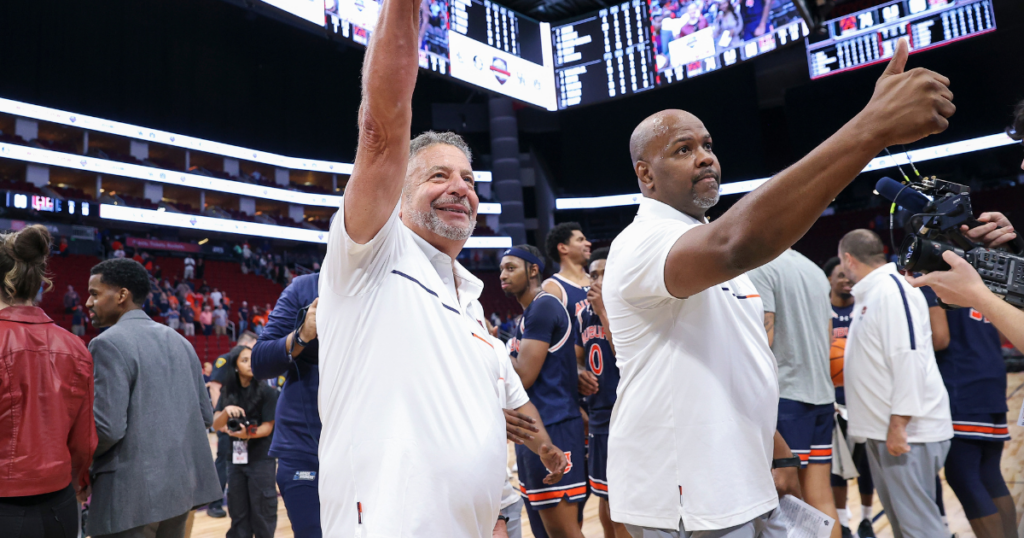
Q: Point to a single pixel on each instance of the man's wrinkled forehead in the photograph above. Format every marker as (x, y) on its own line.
(439, 157)
(682, 126)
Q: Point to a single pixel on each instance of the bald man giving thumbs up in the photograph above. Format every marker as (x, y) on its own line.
(690, 447)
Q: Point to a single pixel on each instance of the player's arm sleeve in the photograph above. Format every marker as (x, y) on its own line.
(350, 268)
(548, 322)
(642, 265)
(764, 279)
(906, 338)
(270, 357)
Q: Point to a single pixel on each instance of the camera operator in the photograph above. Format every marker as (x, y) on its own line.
(245, 411)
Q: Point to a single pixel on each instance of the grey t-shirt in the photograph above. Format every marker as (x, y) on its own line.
(796, 290)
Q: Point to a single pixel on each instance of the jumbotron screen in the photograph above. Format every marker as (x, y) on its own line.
(621, 50)
(868, 37)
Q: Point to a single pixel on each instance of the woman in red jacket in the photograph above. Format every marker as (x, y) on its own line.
(47, 431)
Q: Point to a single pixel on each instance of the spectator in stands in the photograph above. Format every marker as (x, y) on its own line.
(243, 316)
(48, 388)
(163, 468)
(206, 320)
(257, 325)
(173, 317)
(262, 265)
(216, 296)
(219, 373)
(118, 248)
(252, 501)
(158, 273)
(78, 322)
(188, 320)
(190, 268)
(71, 300)
(289, 347)
(220, 320)
(182, 290)
(162, 304)
(172, 300)
(200, 268)
(207, 371)
(63, 248)
(266, 314)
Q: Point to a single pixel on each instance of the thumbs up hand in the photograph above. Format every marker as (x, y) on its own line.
(908, 106)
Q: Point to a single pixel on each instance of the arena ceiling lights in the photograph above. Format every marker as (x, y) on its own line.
(880, 163)
(256, 229)
(62, 117)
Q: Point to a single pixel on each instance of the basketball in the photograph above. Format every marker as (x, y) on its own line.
(835, 356)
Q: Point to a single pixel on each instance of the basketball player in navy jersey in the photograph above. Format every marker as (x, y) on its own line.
(567, 245)
(974, 373)
(842, 312)
(599, 377)
(544, 356)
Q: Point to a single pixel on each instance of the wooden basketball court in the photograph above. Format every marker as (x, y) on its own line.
(1013, 469)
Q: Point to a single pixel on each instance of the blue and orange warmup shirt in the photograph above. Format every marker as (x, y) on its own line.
(974, 373)
(555, 390)
(600, 361)
(841, 316)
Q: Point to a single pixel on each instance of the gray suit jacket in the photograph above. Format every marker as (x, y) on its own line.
(153, 460)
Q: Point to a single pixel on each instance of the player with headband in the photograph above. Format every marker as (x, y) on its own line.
(543, 355)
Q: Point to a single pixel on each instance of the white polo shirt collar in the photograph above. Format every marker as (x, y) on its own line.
(656, 209)
(463, 286)
(871, 278)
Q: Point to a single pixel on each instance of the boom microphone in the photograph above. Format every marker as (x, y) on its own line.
(901, 195)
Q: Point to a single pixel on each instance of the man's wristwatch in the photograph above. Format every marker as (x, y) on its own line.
(502, 517)
(780, 463)
(298, 339)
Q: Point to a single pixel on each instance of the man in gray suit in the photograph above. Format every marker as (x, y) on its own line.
(153, 464)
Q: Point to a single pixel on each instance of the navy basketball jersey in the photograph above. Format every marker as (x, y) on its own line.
(574, 298)
(555, 390)
(599, 359)
(841, 316)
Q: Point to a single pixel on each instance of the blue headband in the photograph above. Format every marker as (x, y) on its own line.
(525, 256)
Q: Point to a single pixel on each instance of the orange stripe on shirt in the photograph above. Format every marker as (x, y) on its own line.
(478, 337)
(598, 487)
(547, 495)
(980, 429)
(822, 452)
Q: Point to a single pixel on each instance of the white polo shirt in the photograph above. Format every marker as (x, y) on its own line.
(692, 430)
(511, 395)
(413, 439)
(890, 366)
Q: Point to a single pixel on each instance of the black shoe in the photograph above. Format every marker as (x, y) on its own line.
(847, 533)
(864, 530)
(216, 511)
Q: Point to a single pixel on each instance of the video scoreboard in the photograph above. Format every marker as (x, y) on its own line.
(603, 55)
(638, 45)
(869, 36)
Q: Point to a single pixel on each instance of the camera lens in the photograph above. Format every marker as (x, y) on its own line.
(234, 425)
(922, 255)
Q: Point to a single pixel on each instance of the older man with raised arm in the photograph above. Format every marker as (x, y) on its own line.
(690, 449)
(413, 438)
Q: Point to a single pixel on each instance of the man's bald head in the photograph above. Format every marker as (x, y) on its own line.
(652, 131)
(674, 161)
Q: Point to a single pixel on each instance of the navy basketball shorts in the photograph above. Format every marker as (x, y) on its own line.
(567, 436)
(597, 464)
(807, 429)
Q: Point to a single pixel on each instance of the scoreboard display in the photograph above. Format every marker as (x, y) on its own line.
(603, 55)
(868, 37)
(637, 45)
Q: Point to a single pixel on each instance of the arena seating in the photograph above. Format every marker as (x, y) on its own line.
(227, 276)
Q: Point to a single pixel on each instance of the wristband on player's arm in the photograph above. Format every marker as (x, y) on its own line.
(781, 463)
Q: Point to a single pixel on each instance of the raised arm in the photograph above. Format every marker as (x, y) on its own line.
(385, 120)
(904, 108)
